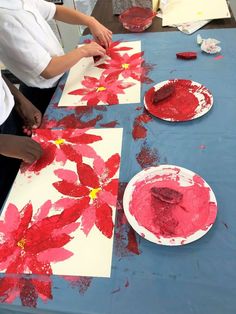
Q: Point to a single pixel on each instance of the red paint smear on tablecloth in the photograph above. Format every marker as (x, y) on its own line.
(147, 157)
(127, 284)
(80, 282)
(125, 241)
(194, 212)
(111, 124)
(146, 67)
(132, 245)
(139, 131)
(181, 105)
(218, 57)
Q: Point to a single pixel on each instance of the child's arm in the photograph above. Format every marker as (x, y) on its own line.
(100, 33)
(61, 64)
(30, 115)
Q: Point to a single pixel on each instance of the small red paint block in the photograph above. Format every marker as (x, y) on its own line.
(164, 92)
(187, 55)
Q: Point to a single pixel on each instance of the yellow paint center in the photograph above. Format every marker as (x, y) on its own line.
(93, 193)
(125, 66)
(21, 244)
(101, 89)
(59, 141)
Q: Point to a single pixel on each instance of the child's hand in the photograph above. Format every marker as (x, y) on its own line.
(30, 115)
(20, 147)
(92, 49)
(101, 34)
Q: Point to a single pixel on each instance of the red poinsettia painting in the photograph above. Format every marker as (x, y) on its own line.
(61, 145)
(105, 89)
(98, 186)
(60, 207)
(128, 66)
(114, 79)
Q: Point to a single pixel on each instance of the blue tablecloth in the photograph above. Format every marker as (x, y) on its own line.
(146, 278)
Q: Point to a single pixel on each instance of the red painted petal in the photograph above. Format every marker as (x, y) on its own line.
(112, 165)
(70, 189)
(71, 153)
(54, 255)
(45, 160)
(136, 55)
(43, 287)
(104, 219)
(26, 216)
(102, 66)
(80, 91)
(39, 268)
(85, 138)
(93, 101)
(87, 176)
(112, 99)
(112, 186)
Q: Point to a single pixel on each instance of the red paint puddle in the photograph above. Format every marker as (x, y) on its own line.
(181, 105)
(147, 157)
(111, 124)
(125, 241)
(181, 213)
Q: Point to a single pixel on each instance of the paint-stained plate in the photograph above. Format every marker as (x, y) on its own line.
(169, 205)
(189, 100)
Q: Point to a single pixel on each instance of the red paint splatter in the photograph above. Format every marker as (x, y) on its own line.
(127, 284)
(111, 124)
(182, 104)
(147, 157)
(125, 241)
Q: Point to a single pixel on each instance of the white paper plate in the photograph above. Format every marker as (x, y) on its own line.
(190, 100)
(164, 176)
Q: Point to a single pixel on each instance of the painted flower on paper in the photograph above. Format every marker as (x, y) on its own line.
(98, 185)
(29, 244)
(29, 290)
(104, 89)
(124, 65)
(114, 48)
(60, 145)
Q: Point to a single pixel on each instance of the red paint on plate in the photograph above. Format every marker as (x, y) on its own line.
(189, 100)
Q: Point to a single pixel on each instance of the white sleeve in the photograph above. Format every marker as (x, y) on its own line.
(45, 8)
(20, 48)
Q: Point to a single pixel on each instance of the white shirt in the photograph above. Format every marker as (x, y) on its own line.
(27, 43)
(6, 101)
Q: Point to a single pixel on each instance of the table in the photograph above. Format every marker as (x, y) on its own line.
(103, 13)
(146, 278)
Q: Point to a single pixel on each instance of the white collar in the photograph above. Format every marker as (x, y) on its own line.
(11, 4)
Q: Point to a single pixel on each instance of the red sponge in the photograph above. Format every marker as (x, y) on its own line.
(164, 92)
(187, 55)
